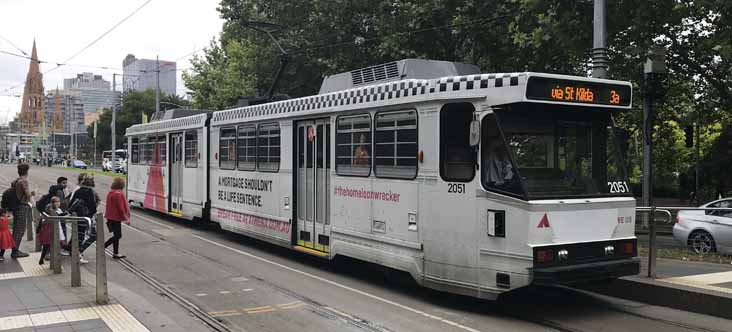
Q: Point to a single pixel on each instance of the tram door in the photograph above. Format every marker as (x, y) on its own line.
(313, 184)
(176, 173)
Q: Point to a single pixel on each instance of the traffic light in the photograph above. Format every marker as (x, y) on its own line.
(689, 136)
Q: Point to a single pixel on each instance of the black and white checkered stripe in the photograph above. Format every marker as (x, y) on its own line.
(375, 93)
(169, 125)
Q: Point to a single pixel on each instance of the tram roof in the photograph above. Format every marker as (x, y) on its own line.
(501, 88)
(498, 89)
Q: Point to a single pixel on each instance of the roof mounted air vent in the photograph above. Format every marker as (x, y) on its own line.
(394, 71)
(375, 73)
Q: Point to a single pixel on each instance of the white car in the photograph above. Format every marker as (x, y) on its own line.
(706, 231)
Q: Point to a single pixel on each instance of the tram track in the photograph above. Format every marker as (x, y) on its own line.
(174, 296)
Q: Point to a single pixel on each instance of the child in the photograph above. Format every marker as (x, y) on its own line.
(6, 239)
(44, 227)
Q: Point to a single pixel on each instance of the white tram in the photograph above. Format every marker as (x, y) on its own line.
(473, 183)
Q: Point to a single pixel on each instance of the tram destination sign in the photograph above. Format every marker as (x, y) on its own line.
(570, 91)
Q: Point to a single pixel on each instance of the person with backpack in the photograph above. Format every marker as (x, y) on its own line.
(56, 190)
(84, 204)
(21, 207)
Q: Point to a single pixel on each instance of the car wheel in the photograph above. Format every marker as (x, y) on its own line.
(702, 242)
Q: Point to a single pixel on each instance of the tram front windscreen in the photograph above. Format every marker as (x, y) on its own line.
(552, 151)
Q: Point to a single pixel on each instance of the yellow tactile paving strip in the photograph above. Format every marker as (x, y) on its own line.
(704, 281)
(115, 316)
(30, 268)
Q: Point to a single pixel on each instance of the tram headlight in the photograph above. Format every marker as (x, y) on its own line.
(609, 250)
(563, 254)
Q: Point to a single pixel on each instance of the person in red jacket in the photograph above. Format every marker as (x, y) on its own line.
(117, 212)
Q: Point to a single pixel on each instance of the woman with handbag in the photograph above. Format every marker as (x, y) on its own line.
(117, 212)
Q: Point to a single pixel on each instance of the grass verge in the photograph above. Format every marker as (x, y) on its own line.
(686, 255)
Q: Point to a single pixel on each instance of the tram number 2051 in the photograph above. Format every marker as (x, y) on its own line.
(457, 188)
(618, 187)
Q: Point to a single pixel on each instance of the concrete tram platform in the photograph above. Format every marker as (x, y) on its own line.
(32, 298)
(704, 288)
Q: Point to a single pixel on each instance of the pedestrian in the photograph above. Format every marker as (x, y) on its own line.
(67, 250)
(44, 229)
(24, 211)
(116, 212)
(6, 239)
(88, 199)
(59, 190)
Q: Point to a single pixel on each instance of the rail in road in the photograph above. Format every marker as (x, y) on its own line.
(244, 284)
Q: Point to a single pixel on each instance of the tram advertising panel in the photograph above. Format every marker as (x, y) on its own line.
(571, 91)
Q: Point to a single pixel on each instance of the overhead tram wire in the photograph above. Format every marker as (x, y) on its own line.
(58, 65)
(104, 34)
(13, 44)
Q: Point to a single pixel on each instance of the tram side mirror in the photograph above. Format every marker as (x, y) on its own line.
(474, 133)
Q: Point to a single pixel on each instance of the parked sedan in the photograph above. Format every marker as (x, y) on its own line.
(78, 164)
(706, 231)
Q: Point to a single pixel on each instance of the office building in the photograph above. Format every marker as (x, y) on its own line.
(139, 75)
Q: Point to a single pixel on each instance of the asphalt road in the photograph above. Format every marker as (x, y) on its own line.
(254, 286)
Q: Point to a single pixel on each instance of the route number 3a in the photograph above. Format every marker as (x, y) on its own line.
(457, 188)
(618, 187)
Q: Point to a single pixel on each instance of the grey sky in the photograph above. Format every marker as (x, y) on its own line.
(168, 28)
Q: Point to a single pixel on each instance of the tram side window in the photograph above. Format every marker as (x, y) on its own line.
(227, 148)
(146, 147)
(498, 172)
(247, 147)
(268, 147)
(135, 151)
(191, 149)
(353, 145)
(395, 144)
(457, 157)
(162, 148)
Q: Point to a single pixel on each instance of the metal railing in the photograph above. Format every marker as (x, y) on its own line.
(102, 294)
(651, 224)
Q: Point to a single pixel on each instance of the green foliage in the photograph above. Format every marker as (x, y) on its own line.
(134, 104)
(325, 37)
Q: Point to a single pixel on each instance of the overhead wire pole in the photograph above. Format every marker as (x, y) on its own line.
(157, 84)
(599, 49)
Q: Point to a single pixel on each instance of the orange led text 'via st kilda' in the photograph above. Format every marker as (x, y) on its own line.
(571, 93)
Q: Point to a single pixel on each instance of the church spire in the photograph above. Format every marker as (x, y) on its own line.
(34, 68)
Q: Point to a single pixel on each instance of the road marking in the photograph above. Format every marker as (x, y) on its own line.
(201, 294)
(224, 292)
(256, 310)
(292, 305)
(247, 290)
(224, 313)
(239, 279)
(360, 292)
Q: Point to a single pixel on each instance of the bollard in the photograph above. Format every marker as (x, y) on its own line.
(102, 294)
(37, 220)
(55, 246)
(652, 244)
(75, 269)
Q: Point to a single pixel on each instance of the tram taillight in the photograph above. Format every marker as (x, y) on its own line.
(544, 256)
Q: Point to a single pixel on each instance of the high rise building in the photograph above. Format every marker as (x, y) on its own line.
(32, 111)
(65, 112)
(93, 91)
(86, 81)
(139, 74)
